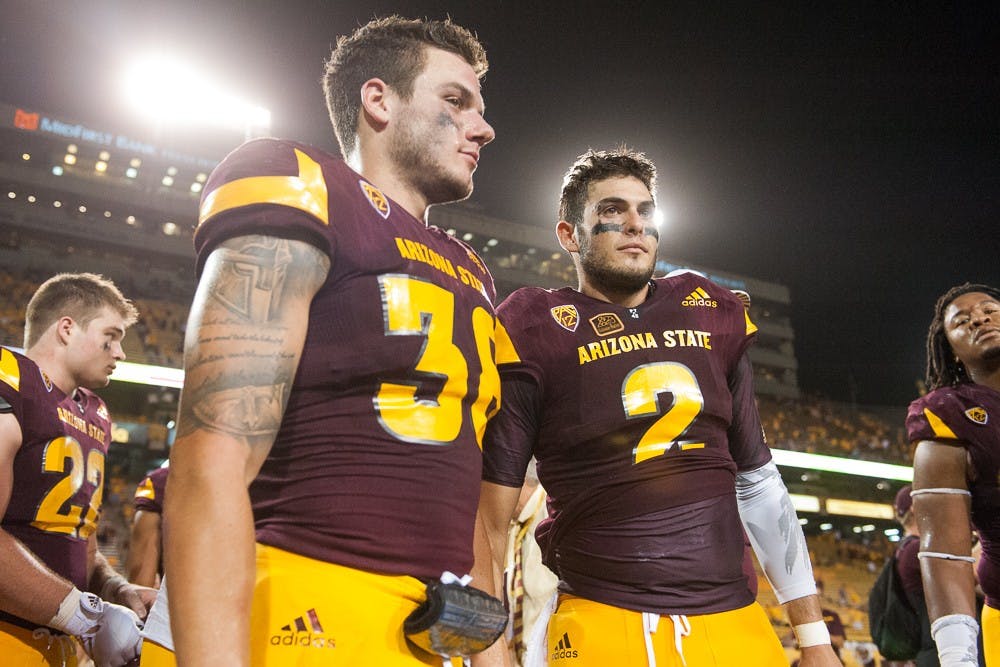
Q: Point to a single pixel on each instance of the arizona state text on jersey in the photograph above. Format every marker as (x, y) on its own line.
(640, 418)
(58, 470)
(377, 462)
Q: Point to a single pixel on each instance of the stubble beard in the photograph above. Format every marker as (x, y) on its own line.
(413, 148)
(601, 274)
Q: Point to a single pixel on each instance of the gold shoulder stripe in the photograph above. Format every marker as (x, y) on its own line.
(306, 192)
(146, 490)
(751, 327)
(10, 371)
(941, 430)
(506, 354)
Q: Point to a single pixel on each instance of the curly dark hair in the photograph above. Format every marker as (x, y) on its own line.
(595, 166)
(393, 49)
(943, 368)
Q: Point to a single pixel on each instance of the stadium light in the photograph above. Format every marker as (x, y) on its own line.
(845, 507)
(784, 457)
(157, 376)
(172, 92)
(660, 218)
(803, 503)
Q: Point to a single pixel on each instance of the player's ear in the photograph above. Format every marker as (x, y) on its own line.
(566, 232)
(63, 328)
(375, 102)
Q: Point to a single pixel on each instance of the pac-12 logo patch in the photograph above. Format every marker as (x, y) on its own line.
(375, 198)
(977, 415)
(566, 316)
(606, 323)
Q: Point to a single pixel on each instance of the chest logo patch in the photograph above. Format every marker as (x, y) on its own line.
(566, 316)
(977, 415)
(102, 412)
(606, 324)
(376, 198)
(46, 381)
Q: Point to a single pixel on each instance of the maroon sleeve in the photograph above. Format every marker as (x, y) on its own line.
(149, 495)
(833, 622)
(280, 203)
(510, 435)
(747, 442)
(908, 566)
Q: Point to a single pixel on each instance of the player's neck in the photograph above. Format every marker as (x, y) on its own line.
(989, 376)
(623, 299)
(47, 360)
(380, 172)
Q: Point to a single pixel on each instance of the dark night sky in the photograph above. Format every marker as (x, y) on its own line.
(848, 150)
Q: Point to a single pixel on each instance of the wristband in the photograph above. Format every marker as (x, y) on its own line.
(812, 634)
(67, 609)
(955, 636)
(79, 613)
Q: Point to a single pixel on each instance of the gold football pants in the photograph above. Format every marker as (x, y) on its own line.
(308, 613)
(584, 633)
(23, 648)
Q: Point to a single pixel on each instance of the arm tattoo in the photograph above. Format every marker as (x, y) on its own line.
(252, 278)
(246, 334)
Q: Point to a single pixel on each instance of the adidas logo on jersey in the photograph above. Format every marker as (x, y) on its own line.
(700, 297)
(564, 649)
(298, 634)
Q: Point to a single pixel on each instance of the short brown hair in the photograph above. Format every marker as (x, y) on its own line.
(77, 295)
(394, 50)
(595, 166)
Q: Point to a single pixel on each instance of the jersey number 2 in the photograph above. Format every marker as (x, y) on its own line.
(640, 398)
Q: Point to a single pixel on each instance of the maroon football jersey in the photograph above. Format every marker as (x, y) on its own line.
(377, 462)
(963, 415)
(58, 470)
(638, 439)
(149, 494)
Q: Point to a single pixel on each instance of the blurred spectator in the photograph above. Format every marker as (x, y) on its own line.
(908, 568)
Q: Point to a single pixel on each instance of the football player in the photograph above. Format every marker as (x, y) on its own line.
(144, 562)
(635, 396)
(956, 468)
(339, 363)
(54, 437)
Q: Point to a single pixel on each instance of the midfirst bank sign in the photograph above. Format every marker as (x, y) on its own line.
(34, 121)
